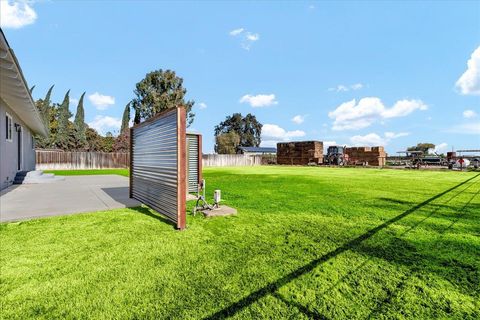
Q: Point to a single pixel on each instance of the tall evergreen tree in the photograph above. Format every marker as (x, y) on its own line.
(80, 127)
(125, 119)
(62, 140)
(136, 119)
(45, 108)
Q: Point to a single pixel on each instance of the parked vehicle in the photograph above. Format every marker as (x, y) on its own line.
(336, 156)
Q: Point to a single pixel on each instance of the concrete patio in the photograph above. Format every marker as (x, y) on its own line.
(75, 194)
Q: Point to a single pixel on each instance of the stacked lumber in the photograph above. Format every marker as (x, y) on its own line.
(300, 153)
(372, 156)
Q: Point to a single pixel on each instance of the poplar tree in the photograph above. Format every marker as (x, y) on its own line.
(62, 138)
(45, 108)
(80, 127)
(125, 119)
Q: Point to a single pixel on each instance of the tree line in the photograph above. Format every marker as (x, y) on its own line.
(158, 91)
(68, 135)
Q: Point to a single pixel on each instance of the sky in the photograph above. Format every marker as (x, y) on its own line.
(347, 73)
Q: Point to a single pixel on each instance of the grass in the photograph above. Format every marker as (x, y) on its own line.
(121, 172)
(321, 243)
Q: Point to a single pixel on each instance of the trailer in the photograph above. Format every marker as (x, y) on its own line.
(416, 159)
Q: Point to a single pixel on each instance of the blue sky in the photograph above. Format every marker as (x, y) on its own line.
(354, 73)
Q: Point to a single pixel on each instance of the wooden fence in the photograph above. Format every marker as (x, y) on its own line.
(60, 160)
(232, 160)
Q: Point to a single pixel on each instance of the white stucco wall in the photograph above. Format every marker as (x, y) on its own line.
(9, 149)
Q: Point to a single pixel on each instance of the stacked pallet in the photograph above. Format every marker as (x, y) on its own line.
(372, 156)
(300, 153)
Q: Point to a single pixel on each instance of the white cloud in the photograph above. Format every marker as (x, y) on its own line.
(352, 116)
(104, 124)
(441, 148)
(272, 133)
(403, 108)
(393, 135)
(202, 105)
(252, 36)
(73, 101)
(16, 14)
(466, 128)
(469, 82)
(345, 88)
(469, 114)
(373, 139)
(259, 100)
(236, 32)
(298, 119)
(247, 37)
(100, 101)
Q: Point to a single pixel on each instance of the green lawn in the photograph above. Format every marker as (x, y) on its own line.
(320, 243)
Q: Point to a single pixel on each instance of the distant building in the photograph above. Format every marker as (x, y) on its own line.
(253, 151)
(19, 118)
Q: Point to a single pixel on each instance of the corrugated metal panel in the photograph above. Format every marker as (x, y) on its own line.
(192, 162)
(155, 165)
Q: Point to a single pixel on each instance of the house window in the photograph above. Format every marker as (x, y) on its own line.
(8, 127)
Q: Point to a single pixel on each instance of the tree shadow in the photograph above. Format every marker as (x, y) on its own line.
(352, 244)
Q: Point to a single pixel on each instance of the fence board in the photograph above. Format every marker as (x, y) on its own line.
(59, 160)
(231, 160)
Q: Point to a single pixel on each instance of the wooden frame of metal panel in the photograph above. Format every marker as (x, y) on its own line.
(130, 171)
(200, 158)
(181, 168)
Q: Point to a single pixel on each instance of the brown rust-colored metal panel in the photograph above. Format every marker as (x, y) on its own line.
(182, 168)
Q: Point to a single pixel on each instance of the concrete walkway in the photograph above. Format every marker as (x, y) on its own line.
(73, 195)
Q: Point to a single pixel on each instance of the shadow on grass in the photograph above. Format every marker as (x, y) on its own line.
(301, 308)
(149, 212)
(464, 275)
(352, 244)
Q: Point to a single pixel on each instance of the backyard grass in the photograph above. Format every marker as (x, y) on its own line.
(320, 243)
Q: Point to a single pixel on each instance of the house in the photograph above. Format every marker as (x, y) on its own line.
(253, 151)
(19, 118)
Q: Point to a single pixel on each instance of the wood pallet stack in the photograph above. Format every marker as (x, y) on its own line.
(372, 156)
(300, 153)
